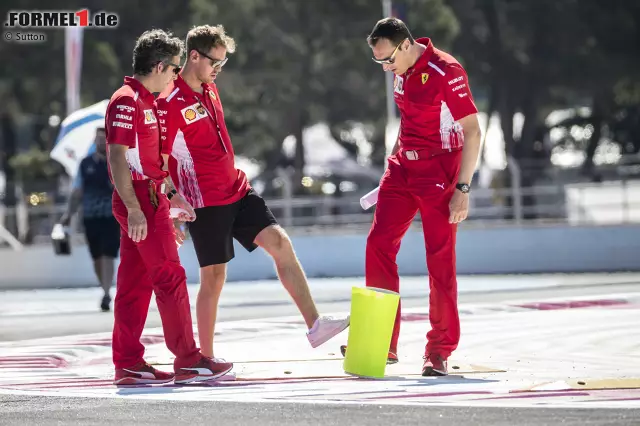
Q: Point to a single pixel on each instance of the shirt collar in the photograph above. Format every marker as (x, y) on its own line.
(180, 83)
(424, 59)
(139, 87)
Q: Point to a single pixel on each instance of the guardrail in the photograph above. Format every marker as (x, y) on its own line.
(614, 202)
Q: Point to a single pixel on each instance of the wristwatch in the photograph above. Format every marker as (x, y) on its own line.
(171, 194)
(463, 187)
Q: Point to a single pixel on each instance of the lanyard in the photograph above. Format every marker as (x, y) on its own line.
(214, 118)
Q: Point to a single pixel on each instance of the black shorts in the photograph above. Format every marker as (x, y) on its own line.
(215, 228)
(103, 236)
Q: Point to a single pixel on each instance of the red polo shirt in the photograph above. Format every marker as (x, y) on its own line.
(432, 96)
(195, 136)
(131, 120)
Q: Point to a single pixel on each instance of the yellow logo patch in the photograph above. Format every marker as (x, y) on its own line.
(425, 77)
(189, 114)
(149, 117)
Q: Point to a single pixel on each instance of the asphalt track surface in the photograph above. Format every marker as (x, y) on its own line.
(41, 315)
(20, 410)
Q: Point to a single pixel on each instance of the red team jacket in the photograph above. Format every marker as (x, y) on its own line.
(201, 157)
(131, 120)
(432, 96)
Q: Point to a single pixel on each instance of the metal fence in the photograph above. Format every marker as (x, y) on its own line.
(609, 202)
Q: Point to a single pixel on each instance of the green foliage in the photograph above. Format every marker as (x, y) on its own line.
(300, 62)
(34, 165)
(537, 56)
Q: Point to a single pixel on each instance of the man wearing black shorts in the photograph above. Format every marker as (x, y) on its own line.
(93, 190)
(201, 163)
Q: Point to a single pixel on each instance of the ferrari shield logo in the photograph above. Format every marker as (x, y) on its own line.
(425, 77)
(149, 117)
(398, 85)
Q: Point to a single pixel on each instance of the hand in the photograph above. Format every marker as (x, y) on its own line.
(180, 236)
(65, 220)
(179, 202)
(137, 225)
(458, 207)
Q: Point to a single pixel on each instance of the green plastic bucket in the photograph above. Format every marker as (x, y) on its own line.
(373, 313)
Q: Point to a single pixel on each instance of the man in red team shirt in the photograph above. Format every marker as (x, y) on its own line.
(149, 255)
(201, 162)
(430, 171)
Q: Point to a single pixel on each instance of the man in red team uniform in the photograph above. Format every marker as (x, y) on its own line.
(149, 255)
(202, 165)
(430, 171)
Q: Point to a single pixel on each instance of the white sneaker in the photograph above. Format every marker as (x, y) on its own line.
(325, 328)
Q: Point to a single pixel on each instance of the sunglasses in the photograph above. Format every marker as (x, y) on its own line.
(176, 68)
(391, 59)
(215, 63)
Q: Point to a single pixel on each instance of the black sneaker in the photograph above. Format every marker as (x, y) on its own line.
(106, 303)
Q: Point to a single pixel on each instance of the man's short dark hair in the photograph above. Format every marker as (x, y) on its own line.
(205, 37)
(153, 47)
(393, 29)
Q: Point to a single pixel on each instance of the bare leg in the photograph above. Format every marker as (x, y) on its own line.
(97, 268)
(274, 240)
(107, 266)
(212, 279)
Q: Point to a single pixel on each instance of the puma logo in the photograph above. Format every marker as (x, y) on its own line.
(440, 185)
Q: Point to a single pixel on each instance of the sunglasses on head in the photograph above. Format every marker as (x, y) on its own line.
(391, 59)
(215, 63)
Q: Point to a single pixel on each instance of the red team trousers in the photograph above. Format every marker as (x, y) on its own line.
(408, 186)
(152, 265)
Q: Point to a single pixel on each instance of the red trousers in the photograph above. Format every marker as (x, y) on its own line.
(408, 186)
(152, 265)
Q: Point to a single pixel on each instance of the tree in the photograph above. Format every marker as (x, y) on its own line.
(299, 63)
(535, 57)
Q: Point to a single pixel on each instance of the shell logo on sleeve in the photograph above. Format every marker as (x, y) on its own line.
(190, 114)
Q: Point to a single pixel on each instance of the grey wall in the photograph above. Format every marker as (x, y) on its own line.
(536, 249)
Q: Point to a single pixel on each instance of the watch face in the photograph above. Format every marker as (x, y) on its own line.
(463, 187)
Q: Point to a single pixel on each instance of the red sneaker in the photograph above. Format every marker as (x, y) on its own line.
(434, 365)
(141, 374)
(392, 358)
(204, 370)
